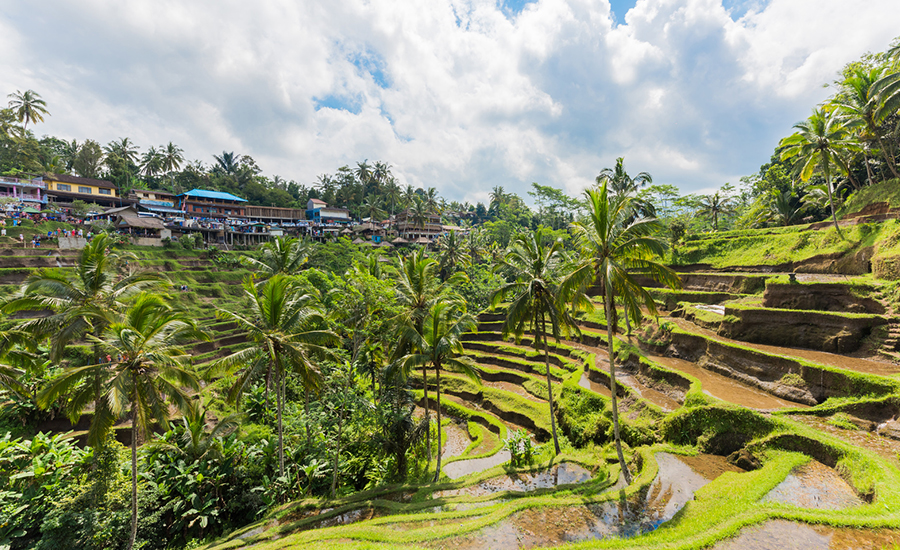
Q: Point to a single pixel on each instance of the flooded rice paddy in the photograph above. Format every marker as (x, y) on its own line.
(815, 485)
(678, 479)
(724, 388)
(786, 535)
(565, 473)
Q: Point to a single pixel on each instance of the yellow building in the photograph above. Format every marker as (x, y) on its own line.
(63, 189)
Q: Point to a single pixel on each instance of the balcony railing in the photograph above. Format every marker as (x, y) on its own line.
(39, 184)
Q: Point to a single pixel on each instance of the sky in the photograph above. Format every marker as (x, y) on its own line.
(461, 95)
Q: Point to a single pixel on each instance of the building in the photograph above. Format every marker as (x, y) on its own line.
(200, 204)
(62, 190)
(143, 230)
(274, 215)
(160, 203)
(319, 212)
(411, 229)
(26, 192)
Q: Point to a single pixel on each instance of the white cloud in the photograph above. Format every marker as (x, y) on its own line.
(473, 97)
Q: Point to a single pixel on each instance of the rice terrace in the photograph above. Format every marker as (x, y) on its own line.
(195, 355)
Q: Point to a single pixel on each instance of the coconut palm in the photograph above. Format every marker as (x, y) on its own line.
(83, 301)
(860, 108)
(419, 212)
(28, 107)
(372, 208)
(452, 254)
(535, 268)
(124, 148)
(279, 255)
(814, 148)
(151, 162)
(614, 248)
(227, 163)
(620, 183)
(152, 371)
(437, 343)
(284, 335)
(418, 288)
(363, 172)
(431, 201)
(498, 198)
(716, 205)
(172, 157)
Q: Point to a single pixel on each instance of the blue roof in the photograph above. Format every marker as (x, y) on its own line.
(203, 193)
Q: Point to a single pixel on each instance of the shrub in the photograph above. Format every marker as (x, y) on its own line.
(520, 447)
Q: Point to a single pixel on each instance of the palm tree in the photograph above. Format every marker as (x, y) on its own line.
(196, 441)
(419, 212)
(615, 247)
(124, 148)
(393, 193)
(227, 162)
(715, 205)
(151, 162)
(431, 201)
(451, 250)
(860, 107)
(620, 183)
(535, 299)
(815, 146)
(28, 107)
(84, 301)
(418, 289)
(409, 196)
(498, 198)
(363, 172)
(785, 211)
(438, 344)
(284, 334)
(172, 157)
(149, 340)
(280, 255)
(372, 208)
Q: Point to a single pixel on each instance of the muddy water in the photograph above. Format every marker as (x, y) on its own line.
(589, 384)
(678, 479)
(785, 535)
(840, 361)
(645, 392)
(457, 440)
(725, 388)
(456, 470)
(884, 446)
(814, 485)
(565, 473)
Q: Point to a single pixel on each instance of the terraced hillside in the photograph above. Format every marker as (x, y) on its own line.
(736, 437)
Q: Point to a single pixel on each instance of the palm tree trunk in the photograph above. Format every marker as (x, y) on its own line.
(612, 390)
(887, 158)
(549, 385)
(437, 406)
(134, 506)
(427, 415)
(831, 201)
(306, 414)
(337, 451)
(279, 406)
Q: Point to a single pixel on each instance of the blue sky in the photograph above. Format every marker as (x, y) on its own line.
(461, 95)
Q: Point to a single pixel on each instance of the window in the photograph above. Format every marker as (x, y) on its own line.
(63, 187)
(85, 190)
(104, 191)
